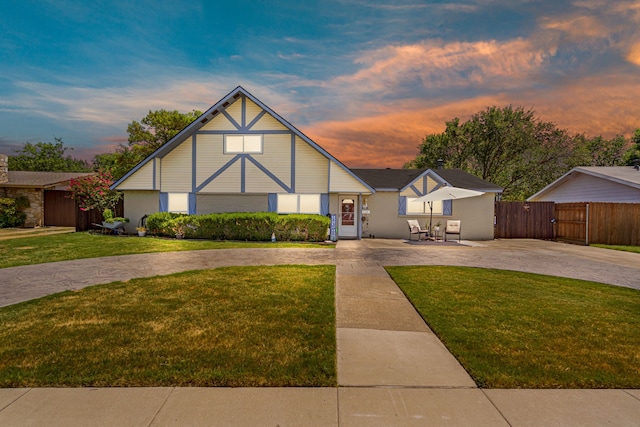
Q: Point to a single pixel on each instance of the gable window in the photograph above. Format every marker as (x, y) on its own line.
(243, 143)
(299, 203)
(423, 208)
(178, 202)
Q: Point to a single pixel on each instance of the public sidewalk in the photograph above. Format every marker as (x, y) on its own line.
(392, 370)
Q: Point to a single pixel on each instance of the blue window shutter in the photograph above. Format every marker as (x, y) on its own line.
(402, 205)
(192, 203)
(164, 202)
(324, 204)
(447, 208)
(273, 202)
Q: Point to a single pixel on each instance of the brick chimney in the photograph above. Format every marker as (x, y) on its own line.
(4, 168)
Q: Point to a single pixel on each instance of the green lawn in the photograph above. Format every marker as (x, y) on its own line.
(635, 249)
(62, 247)
(232, 327)
(518, 330)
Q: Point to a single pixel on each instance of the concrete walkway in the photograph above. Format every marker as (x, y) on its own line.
(392, 370)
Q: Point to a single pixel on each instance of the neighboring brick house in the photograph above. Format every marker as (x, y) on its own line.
(46, 192)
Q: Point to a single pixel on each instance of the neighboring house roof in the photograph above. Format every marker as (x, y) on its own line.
(218, 108)
(593, 183)
(30, 179)
(398, 179)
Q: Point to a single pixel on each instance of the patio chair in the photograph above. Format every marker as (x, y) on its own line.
(453, 227)
(414, 228)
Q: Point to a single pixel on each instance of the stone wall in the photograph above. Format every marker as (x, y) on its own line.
(35, 212)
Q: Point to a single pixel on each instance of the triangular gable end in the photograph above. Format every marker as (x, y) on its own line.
(421, 184)
(270, 118)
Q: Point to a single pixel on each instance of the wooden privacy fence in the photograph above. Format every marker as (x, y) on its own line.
(604, 223)
(524, 220)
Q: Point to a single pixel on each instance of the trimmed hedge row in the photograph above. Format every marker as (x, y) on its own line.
(240, 226)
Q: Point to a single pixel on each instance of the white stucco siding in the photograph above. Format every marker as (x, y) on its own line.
(587, 188)
(312, 175)
(342, 181)
(137, 204)
(267, 122)
(228, 181)
(177, 169)
(220, 203)
(142, 179)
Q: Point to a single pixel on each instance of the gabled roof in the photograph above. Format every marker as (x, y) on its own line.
(214, 111)
(625, 175)
(40, 179)
(398, 179)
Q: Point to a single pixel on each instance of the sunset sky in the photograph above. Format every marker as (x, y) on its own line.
(367, 80)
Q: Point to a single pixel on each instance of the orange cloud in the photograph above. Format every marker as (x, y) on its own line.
(602, 105)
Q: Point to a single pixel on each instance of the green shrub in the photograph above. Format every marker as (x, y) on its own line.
(10, 215)
(158, 223)
(240, 226)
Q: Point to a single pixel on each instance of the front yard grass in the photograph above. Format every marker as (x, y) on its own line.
(63, 247)
(232, 327)
(519, 330)
(624, 248)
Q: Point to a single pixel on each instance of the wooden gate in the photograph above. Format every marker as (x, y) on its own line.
(571, 219)
(59, 209)
(524, 220)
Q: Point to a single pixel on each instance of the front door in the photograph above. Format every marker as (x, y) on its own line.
(348, 216)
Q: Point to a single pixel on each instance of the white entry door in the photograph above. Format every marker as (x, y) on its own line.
(348, 216)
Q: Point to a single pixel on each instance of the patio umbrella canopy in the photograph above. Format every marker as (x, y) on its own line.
(445, 193)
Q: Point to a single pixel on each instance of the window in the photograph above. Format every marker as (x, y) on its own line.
(299, 203)
(178, 202)
(243, 143)
(423, 208)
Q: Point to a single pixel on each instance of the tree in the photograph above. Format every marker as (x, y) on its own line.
(93, 192)
(46, 157)
(599, 151)
(507, 146)
(633, 153)
(145, 137)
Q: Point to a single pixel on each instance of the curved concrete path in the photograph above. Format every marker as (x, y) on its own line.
(392, 370)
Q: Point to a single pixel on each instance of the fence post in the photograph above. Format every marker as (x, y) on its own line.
(587, 225)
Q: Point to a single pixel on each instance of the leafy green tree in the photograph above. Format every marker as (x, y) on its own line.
(145, 137)
(599, 151)
(633, 153)
(507, 146)
(46, 157)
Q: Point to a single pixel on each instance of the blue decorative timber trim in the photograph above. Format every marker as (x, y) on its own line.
(244, 113)
(256, 120)
(154, 174)
(218, 172)
(243, 169)
(416, 190)
(293, 163)
(270, 174)
(193, 164)
(231, 119)
(244, 132)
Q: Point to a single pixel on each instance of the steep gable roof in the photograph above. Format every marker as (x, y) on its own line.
(398, 179)
(219, 108)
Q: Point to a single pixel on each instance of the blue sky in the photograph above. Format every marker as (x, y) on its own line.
(367, 80)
